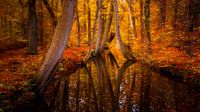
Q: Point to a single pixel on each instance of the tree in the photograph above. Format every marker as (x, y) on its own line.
(32, 28)
(162, 13)
(107, 29)
(40, 25)
(132, 18)
(124, 49)
(53, 17)
(100, 32)
(57, 47)
(175, 8)
(192, 14)
(147, 25)
(78, 28)
(93, 36)
(142, 21)
(89, 22)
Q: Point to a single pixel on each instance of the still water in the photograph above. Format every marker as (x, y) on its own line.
(105, 85)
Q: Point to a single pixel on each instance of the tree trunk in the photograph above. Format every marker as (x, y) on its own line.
(93, 37)
(57, 47)
(142, 21)
(89, 22)
(192, 14)
(78, 28)
(175, 7)
(124, 49)
(32, 28)
(40, 26)
(147, 26)
(162, 13)
(107, 30)
(132, 19)
(99, 35)
(53, 17)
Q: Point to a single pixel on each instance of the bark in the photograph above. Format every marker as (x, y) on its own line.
(192, 14)
(99, 35)
(57, 47)
(132, 19)
(107, 29)
(147, 26)
(93, 37)
(124, 49)
(142, 21)
(53, 17)
(84, 19)
(32, 28)
(89, 22)
(175, 16)
(162, 13)
(40, 26)
(78, 28)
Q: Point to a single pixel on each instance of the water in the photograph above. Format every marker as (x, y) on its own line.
(103, 85)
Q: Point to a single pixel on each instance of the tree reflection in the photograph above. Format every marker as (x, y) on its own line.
(145, 89)
(102, 85)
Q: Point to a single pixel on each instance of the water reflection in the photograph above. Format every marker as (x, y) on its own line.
(103, 85)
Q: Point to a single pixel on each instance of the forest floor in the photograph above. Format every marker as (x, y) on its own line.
(18, 71)
(176, 53)
(179, 54)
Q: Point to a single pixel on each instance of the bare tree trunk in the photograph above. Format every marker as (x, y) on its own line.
(99, 35)
(93, 37)
(32, 28)
(192, 14)
(162, 12)
(53, 17)
(40, 26)
(57, 47)
(142, 21)
(78, 28)
(147, 26)
(89, 22)
(132, 18)
(107, 30)
(175, 7)
(84, 19)
(124, 49)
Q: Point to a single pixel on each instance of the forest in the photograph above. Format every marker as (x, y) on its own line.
(99, 56)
